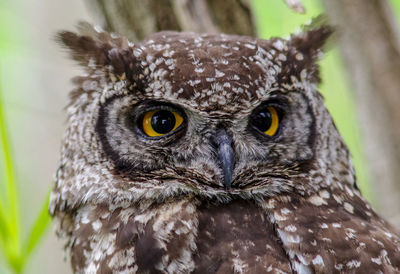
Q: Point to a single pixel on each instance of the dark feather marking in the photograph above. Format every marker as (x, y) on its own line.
(126, 235)
(77, 257)
(147, 252)
(119, 162)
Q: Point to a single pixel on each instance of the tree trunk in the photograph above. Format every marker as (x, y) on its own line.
(369, 39)
(136, 19)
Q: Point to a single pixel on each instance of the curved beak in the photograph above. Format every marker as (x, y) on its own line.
(226, 155)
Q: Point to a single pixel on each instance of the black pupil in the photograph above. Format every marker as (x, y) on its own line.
(262, 120)
(163, 121)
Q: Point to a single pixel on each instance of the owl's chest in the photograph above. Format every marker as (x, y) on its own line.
(183, 237)
(236, 237)
(188, 236)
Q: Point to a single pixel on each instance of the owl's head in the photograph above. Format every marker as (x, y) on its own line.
(217, 116)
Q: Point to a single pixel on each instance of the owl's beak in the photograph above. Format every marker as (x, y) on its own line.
(226, 155)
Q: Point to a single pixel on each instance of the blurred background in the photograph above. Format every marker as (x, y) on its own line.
(35, 81)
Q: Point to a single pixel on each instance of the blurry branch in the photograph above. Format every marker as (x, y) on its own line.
(296, 5)
(369, 39)
(136, 19)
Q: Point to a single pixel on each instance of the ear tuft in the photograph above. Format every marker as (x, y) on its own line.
(316, 37)
(92, 46)
(82, 48)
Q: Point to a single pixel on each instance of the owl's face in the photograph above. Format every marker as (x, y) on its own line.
(212, 115)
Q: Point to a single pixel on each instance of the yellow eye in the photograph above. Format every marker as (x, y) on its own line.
(159, 122)
(266, 120)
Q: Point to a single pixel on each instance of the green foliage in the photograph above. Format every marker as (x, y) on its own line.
(396, 9)
(15, 251)
(274, 18)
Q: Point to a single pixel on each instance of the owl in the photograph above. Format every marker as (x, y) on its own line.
(209, 153)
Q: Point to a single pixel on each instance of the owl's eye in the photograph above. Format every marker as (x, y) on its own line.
(159, 122)
(266, 120)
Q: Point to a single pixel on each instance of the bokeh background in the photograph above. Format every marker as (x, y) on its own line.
(34, 84)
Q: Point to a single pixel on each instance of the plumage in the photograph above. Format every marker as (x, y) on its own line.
(215, 194)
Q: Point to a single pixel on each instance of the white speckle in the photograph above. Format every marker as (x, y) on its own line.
(89, 85)
(353, 264)
(337, 225)
(376, 260)
(290, 228)
(137, 52)
(317, 200)
(169, 62)
(250, 46)
(288, 239)
(388, 234)
(339, 266)
(282, 57)
(168, 53)
(324, 194)
(150, 58)
(327, 240)
(193, 83)
(199, 70)
(299, 56)
(385, 257)
(351, 235)
(151, 41)
(152, 67)
(92, 268)
(92, 63)
(96, 225)
(278, 45)
(303, 74)
(279, 217)
(219, 73)
(337, 199)
(190, 209)
(84, 219)
(324, 226)
(98, 29)
(349, 191)
(348, 207)
(318, 260)
(239, 266)
(285, 211)
(301, 268)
